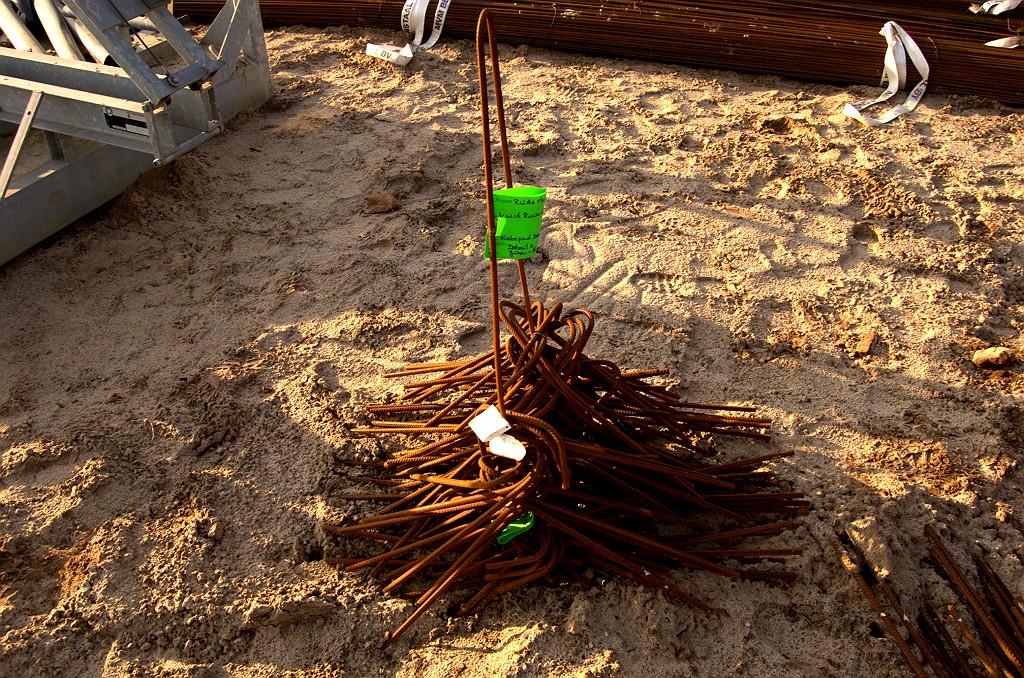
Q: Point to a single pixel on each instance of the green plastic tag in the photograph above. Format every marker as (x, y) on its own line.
(517, 215)
(521, 524)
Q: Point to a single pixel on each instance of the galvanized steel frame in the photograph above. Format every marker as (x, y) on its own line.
(126, 114)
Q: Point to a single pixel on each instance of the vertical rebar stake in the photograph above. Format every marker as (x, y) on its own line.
(506, 162)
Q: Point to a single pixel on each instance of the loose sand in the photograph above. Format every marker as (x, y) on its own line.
(181, 368)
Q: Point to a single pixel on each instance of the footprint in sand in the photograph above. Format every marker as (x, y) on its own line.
(863, 241)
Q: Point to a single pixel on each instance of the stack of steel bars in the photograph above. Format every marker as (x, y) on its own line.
(833, 41)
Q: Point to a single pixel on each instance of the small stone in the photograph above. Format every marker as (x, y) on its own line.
(997, 356)
(216, 532)
(257, 614)
(579, 615)
(868, 538)
(865, 343)
(378, 203)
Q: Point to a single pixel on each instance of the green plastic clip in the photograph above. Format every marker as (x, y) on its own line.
(521, 524)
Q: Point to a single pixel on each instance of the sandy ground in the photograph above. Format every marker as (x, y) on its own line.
(181, 369)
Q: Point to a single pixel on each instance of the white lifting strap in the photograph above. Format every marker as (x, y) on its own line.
(414, 16)
(894, 76)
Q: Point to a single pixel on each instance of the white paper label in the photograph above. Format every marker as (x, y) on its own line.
(508, 447)
(489, 424)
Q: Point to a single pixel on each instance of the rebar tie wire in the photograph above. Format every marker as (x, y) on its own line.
(614, 474)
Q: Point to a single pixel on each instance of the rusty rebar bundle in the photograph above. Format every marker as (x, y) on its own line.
(615, 474)
(993, 647)
(833, 41)
(613, 477)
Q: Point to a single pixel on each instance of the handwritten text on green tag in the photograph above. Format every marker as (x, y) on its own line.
(517, 215)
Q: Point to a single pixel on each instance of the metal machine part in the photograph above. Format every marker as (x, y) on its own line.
(159, 94)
